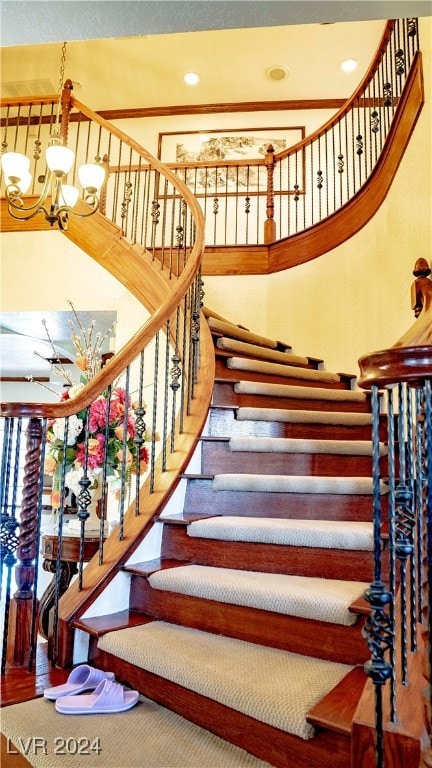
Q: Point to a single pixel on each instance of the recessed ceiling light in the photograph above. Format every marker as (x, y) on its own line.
(349, 65)
(277, 73)
(191, 78)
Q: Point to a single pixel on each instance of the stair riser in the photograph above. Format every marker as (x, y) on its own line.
(267, 558)
(201, 498)
(224, 424)
(290, 633)
(234, 374)
(280, 749)
(218, 459)
(223, 394)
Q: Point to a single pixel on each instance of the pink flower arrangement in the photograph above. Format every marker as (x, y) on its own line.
(107, 442)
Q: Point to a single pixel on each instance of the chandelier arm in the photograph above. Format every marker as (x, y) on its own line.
(39, 209)
(13, 193)
(94, 204)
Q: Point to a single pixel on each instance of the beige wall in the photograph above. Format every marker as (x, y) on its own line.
(41, 271)
(356, 298)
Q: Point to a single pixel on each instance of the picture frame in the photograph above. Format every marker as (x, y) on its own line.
(244, 150)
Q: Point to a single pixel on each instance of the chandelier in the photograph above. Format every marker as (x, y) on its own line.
(59, 160)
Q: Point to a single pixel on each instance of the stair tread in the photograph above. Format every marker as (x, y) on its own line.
(147, 567)
(252, 679)
(313, 598)
(336, 710)
(97, 626)
(329, 534)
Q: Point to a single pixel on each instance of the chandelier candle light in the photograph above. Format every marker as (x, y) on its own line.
(59, 160)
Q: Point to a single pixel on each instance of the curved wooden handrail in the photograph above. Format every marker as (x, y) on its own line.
(332, 121)
(355, 214)
(342, 224)
(131, 349)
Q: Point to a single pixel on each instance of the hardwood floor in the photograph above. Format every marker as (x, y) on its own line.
(21, 685)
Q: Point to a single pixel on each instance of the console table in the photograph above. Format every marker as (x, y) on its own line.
(68, 565)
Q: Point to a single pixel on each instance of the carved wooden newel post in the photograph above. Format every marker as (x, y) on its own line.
(20, 641)
(270, 224)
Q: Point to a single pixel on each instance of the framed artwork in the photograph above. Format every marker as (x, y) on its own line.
(241, 147)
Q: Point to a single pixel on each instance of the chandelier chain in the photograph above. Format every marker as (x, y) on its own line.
(61, 81)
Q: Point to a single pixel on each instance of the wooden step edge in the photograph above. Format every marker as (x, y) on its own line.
(281, 346)
(314, 363)
(335, 712)
(213, 439)
(224, 407)
(361, 606)
(97, 626)
(148, 567)
(347, 376)
(183, 520)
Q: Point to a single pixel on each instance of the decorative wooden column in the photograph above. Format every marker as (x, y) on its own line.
(20, 640)
(103, 192)
(66, 106)
(270, 224)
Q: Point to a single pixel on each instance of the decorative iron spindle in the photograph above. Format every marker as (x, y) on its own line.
(400, 62)
(412, 532)
(392, 546)
(140, 431)
(377, 630)
(404, 523)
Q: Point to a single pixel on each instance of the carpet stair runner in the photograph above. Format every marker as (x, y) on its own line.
(250, 622)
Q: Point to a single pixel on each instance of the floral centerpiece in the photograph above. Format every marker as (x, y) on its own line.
(101, 438)
(108, 420)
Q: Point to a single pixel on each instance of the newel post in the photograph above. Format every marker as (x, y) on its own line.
(270, 224)
(66, 106)
(20, 641)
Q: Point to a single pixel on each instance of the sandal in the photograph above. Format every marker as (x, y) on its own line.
(82, 678)
(109, 697)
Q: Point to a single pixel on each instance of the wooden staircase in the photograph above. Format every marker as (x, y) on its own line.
(332, 715)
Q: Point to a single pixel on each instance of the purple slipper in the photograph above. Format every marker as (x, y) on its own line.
(82, 678)
(108, 697)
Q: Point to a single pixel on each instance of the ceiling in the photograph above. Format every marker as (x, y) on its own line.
(42, 21)
(27, 339)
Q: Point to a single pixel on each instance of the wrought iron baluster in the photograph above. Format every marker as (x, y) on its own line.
(176, 374)
(420, 487)
(155, 409)
(165, 398)
(392, 545)
(377, 630)
(404, 522)
(413, 533)
(140, 432)
(9, 538)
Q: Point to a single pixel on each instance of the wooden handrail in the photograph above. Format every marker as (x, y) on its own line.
(131, 349)
(349, 103)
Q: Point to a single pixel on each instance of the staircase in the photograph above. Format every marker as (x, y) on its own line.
(250, 622)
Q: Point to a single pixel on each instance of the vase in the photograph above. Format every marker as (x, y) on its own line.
(93, 521)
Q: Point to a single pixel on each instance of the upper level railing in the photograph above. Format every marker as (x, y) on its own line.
(276, 195)
(126, 435)
(398, 630)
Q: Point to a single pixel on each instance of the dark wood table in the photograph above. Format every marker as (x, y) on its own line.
(68, 565)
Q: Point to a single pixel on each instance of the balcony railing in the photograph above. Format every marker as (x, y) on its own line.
(398, 630)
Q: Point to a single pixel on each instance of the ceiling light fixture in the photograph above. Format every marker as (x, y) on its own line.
(277, 73)
(191, 78)
(59, 160)
(349, 65)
